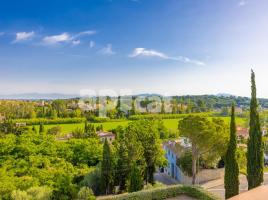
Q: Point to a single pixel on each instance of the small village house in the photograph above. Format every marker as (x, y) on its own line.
(106, 135)
(173, 151)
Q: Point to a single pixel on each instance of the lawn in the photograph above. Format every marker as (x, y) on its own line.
(171, 124)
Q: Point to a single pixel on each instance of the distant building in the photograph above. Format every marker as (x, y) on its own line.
(20, 124)
(106, 135)
(2, 117)
(242, 133)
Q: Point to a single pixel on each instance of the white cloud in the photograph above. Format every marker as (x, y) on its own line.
(107, 50)
(76, 42)
(242, 3)
(56, 39)
(142, 52)
(22, 36)
(2, 33)
(91, 44)
(147, 53)
(83, 33)
(66, 37)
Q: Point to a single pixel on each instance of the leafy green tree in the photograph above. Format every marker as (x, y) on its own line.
(231, 176)
(205, 137)
(145, 144)
(106, 169)
(255, 145)
(136, 181)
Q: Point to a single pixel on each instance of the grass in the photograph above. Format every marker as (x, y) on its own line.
(171, 124)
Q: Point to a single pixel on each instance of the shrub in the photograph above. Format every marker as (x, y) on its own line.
(54, 130)
(166, 192)
(164, 116)
(38, 121)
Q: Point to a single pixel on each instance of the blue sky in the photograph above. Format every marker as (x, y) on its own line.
(162, 46)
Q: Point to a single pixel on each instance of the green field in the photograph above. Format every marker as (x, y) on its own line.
(171, 124)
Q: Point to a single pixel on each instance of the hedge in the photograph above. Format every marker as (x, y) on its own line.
(164, 193)
(164, 116)
(37, 121)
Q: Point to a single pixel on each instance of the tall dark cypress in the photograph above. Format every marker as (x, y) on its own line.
(255, 147)
(231, 176)
(106, 170)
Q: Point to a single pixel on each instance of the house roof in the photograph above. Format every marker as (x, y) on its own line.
(240, 131)
(259, 193)
(105, 134)
(178, 147)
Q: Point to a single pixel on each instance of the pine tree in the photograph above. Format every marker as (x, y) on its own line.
(106, 169)
(136, 181)
(255, 146)
(123, 165)
(231, 176)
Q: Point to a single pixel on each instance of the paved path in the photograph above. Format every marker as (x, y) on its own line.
(217, 187)
(165, 179)
(181, 197)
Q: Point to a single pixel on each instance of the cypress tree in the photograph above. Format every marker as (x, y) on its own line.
(106, 169)
(136, 181)
(255, 147)
(41, 128)
(122, 165)
(231, 176)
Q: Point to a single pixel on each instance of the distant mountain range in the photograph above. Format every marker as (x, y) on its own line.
(29, 96)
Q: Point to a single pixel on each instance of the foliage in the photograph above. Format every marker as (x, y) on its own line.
(36, 121)
(163, 116)
(31, 160)
(54, 130)
(33, 193)
(85, 193)
(136, 181)
(92, 180)
(143, 142)
(106, 170)
(205, 137)
(255, 146)
(165, 193)
(231, 175)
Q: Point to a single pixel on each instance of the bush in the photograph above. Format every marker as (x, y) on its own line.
(164, 116)
(38, 121)
(166, 192)
(54, 130)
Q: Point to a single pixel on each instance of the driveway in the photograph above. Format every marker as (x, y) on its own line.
(165, 179)
(217, 186)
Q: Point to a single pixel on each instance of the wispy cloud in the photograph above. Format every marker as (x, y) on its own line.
(66, 37)
(22, 36)
(56, 39)
(108, 50)
(242, 2)
(142, 52)
(84, 33)
(2, 33)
